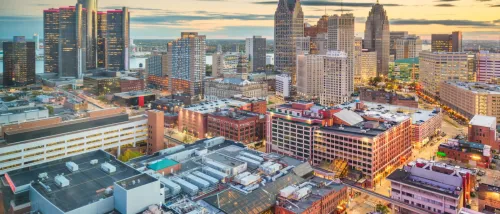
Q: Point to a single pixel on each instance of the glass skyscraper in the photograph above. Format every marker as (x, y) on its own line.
(18, 62)
(118, 39)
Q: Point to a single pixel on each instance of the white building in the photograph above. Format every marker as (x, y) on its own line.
(310, 73)
(488, 66)
(23, 115)
(217, 64)
(30, 147)
(269, 59)
(441, 66)
(368, 65)
(336, 80)
(283, 85)
(358, 48)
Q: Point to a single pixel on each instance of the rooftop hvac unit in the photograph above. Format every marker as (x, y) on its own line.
(94, 162)
(43, 176)
(248, 160)
(186, 187)
(239, 177)
(249, 180)
(72, 166)
(206, 177)
(174, 188)
(214, 141)
(61, 181)
(252, 156)
(287, 191)
(197, 181)
(215, 173)
(302, 192)
(107, 167)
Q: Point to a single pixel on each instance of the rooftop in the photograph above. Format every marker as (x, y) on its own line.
(235, 115)
(86, 185)
(211, 106)
(21, 111)
(135, 181)
(484, 121)
(413, 179)
(357, 130)
(476, 87)
(132, 94)
(234, 81)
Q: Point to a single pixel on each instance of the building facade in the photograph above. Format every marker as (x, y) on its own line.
(405, 70)
(51, 40)
(101, 48)
(187, 69)
(358, 48)
(377, 37)
(310, 74)
(255, 49)
(288, 25)
(92, 21)
(337, 80)
(488, 66)
(228, 87)
(72, 41)
(240, 126)
(437, 67)
(283, 85)
(341, 38)
(18, 62)
(217, 64)
(447, 42)
(368, 65)
(118, 39)
(483, 130)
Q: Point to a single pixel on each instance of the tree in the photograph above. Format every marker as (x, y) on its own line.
(129, 154)
(208, 71)
(51, 109)
(382, 209)
(9, 98)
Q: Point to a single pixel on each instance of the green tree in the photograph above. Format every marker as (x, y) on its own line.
(382, 209)
(50, 108)
(9, 98)
(129, 154)
(208, 70)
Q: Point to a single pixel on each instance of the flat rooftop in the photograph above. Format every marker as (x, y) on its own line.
(356, 130)
(22, 110)
(238, 115)
(407, 178)
(133, 94)
(135, 181)
(484, 121)
(211, 106)
(476, 87)
(86, 185)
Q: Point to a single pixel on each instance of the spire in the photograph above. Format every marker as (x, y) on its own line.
(342, 6)
(378, 2)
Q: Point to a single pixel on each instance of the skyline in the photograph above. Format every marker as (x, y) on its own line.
(217, 20)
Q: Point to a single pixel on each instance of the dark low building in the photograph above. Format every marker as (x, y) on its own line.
(103, 82)
(382, 96)
(475, 154)
(18, 62)
(134, 98)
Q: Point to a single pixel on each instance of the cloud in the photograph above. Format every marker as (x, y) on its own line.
(172, 18)
(495, 5)
(444, 5)
(329, 3)
(447, 0)
(132, 8)
(442, 22)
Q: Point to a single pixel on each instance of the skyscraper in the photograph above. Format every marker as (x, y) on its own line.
(395, 35)
(407, 47)
(358, 47)
(341, 38)
(91, 10)
(102, 28)
(187, 56)
(288, 25)
(255, 49)
(217, 64)
(310, 73)
(118, 39)
(18, 62)
(36, 39)
(437, 67)
(51, 40)
(72, 41)
(336, 79)
(447, 42)
(377, 37)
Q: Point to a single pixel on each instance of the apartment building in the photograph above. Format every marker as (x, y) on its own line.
(470, 99)
(228, 87)
(338, 82)
(241, 126)
(105, 129)
(283, 85)
(437, 67)
(310, 74)
(436, 187)
(488, 66)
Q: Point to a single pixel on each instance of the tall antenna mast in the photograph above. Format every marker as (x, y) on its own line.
(342, 6)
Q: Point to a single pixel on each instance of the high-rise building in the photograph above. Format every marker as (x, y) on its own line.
(408, 47)
(395, 35)
(441, 66)
(102, 29)
(488, 67)
(310, 72)
(92, 21)
(447, 42)
(118, 39)
(156, 68)
(156, 123)
(255, 49)
(18, 62)
(187, 71)
(72, 41)
(337, 80)
(377, 37)
(217, 64)
(341, 38)
(51, 40)
(404, 70)
(283, 85)
(288, 25)
(36, 39)
(303, 45)
(368, 65)
(358, 48)
(472, 66)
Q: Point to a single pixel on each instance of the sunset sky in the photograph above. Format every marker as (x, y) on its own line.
(237, 19)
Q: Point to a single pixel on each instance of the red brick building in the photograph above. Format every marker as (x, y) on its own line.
(241, 126)
(474, 154)
(156, 129)
(131, 84)
(381, 96)
(482, 129)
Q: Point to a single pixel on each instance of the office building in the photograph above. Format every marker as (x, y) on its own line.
(91, 182)
(437, 67)
(101, 45)
(156, 68)
(92, 23)
(368, 65)
(156, 130)
(358, 48)
(474, 154)
(104, 129)
(395, 35)
(288, 26)
(118, 39)
(321, 27)
(103, 83)
(255, 49)
(193, 118)
(431, 186)
(408, 47)
(21, 115)
(319, 44)
(489, 194)
(377, 37)
(303, 45)
(470, 99)
(310, 74)
(36, 39)
(18, 62)
(51, 40)
(483, 130)
(228, 87)
(405, 70)
(447, 42)
(187, 69)
(341, 38)
(283, 85)
(382, 96)
(72, 41)
(488, 67)
(337, 80)
(240, 126)
(217, 64)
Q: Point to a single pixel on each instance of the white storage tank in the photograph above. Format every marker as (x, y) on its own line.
(215, 173)
(238, 178)
(206, 177)
(197, 181)
(61, 181)
(107, 167)
(173, 188)
(72, 166)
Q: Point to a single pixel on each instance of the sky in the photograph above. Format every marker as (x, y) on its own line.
(239, 19)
